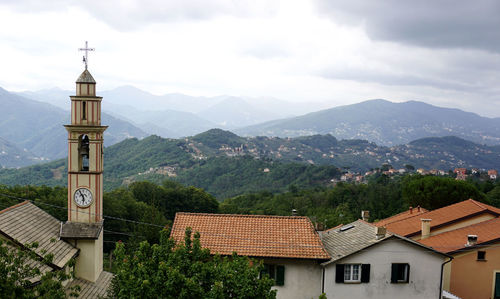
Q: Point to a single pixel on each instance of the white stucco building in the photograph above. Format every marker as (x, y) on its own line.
(367, 262)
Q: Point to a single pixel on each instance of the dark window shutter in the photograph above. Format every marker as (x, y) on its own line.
(497, 285)
(280, 275)
(365, 273)
(264, 271)
(339, 273)
(394, 273)
(408, 273)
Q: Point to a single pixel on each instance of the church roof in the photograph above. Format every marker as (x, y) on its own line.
(26, 223)
(89, 289)
(85, 77)
(77, 230)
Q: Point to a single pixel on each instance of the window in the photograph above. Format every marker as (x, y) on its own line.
(84, 110)
(400, 273)
(349, 273)
(276, 272)
(481, 255)
(83, 152)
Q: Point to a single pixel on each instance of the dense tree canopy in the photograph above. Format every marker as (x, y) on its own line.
(17, 268)
(432, 192)
(165, 270)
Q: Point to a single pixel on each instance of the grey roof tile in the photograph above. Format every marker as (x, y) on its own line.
(26, 223)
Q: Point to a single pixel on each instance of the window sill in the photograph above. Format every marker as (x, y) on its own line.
(352, 282)
(478, 260)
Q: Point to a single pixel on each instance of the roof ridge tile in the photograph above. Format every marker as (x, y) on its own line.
(14, 206)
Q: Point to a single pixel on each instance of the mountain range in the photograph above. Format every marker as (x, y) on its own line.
(385, 123)
(31, 126)
(226, 164)
(34, 130)
(176, 115)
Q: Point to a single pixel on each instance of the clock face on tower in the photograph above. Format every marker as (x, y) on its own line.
(83, 197)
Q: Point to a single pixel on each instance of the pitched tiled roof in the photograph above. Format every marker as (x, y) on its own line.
(85, 77)
(454, 240)
(25, 223)
(440, 217)
(91, 290)
(30, 262)
(253, 235)
(350, 238)
(356, 236)
(401, 216)
(77, 230)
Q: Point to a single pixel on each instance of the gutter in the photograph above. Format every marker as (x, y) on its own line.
(323, 282)
(441, 281)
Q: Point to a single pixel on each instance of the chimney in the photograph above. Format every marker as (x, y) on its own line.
(471, 240)
(319, 226)
(418, 208)
(365, 215)
(411, 210)
(294, 212)
(426, 228)
(380, 232)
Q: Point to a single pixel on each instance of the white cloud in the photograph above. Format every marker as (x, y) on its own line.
(286, 50)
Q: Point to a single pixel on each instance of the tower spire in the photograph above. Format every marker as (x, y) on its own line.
(86, 49)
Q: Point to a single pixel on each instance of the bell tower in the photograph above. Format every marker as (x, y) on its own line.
(85, 176)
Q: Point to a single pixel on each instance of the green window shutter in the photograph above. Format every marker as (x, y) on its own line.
(339, 273)
(280, 275)
(365, 273)
(264, 271)
(497, 285)
(394, 273)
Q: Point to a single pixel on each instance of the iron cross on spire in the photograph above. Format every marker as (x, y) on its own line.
(86, 49)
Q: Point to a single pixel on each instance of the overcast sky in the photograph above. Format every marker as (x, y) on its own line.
(445, 53)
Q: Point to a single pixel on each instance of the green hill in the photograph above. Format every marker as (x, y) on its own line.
(226, 165)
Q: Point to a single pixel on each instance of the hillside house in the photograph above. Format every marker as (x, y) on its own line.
(289, 246)
(493, 174)
(369, 262)
(474, 271)
(430, 223)
(470, 232)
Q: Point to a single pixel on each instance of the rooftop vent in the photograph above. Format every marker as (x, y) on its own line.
(345, 227)
(471, 240)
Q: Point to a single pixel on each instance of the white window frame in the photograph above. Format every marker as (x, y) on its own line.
(349, 270)
(405, 273)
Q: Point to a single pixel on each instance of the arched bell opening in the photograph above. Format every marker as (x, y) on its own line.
(83, 152)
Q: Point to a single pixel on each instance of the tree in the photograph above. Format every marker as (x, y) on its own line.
(433, 192)
(409, 167)
(17, 268)
(165, 270)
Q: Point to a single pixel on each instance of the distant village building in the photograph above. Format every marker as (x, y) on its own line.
(493, 174)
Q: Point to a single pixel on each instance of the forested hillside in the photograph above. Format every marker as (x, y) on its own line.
(227, 165)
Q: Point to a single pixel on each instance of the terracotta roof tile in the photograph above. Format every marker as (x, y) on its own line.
(401, 216)
(253, 235)
(454, 240)
(462, 210)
